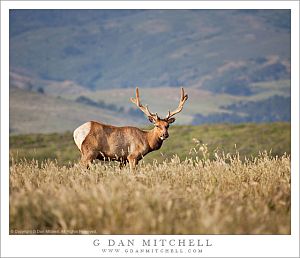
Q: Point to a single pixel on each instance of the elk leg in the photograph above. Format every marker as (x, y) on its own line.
(122, 163)
(88, 158)
(132, 162)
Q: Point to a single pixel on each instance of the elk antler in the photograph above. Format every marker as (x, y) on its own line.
(183, 99)
(145, 109)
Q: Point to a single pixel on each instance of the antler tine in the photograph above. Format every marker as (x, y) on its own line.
(144, 109)
(137, 94)
(183, 99)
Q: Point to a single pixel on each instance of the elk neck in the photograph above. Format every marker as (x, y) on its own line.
(153, 140)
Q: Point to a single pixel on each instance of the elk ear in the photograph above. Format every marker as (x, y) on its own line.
(171, 120)
(151, 119)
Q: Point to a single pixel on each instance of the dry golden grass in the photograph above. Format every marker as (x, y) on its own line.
(193, 196)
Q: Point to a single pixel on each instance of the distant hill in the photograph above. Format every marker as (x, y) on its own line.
(32, 112)
(85, 65)
(276, 108)
(123, 48)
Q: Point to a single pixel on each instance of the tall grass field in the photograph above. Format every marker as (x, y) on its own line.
(220, 179)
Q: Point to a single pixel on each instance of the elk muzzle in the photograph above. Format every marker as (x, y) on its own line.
(164, 136)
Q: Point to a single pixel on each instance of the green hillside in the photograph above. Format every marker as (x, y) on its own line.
(184, 141)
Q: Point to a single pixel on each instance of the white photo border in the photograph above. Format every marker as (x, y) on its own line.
(83, 245)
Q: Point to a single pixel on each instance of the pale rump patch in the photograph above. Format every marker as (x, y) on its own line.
(80, 134)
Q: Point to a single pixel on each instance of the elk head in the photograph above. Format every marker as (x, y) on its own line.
(161, 124)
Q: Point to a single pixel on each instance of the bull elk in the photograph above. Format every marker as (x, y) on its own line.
(124, 144)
